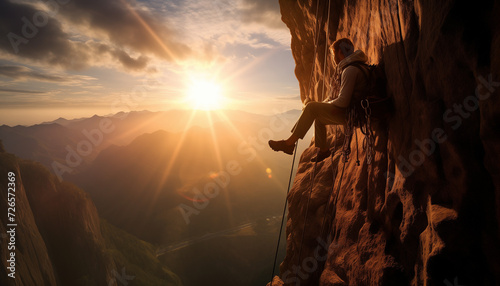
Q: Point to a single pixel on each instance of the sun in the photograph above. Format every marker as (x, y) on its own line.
(205, 94)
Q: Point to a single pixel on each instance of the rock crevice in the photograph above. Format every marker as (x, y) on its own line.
(427, 210)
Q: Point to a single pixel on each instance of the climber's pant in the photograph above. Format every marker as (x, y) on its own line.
(322, 114)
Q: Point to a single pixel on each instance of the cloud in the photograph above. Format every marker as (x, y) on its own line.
(127, 24)
(129, 63)
(22, 73)
(47, 44)
(227, 22)
(9, 90)
(265, 12)
(115, 30)
(132, 35)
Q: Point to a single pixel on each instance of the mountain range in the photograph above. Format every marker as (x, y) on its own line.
(163, 179)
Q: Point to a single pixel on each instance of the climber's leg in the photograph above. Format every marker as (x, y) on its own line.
(321, 112)
(333, 115)
(320, 136)
(312, 111)
(292, 139)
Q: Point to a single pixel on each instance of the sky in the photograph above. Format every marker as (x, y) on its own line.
(76, 58)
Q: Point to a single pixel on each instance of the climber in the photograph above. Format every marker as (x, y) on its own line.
(330, 111)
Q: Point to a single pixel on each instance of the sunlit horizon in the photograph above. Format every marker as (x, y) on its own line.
(34, 116)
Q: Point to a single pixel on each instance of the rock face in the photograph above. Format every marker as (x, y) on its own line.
(427, 210)
(58, 238)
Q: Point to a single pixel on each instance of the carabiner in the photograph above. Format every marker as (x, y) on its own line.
(365, 103)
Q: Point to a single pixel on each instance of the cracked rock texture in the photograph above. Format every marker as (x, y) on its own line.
(426, 211)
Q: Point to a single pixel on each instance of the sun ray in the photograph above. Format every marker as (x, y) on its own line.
(133, 131)
(245, 68)
(149, 30)
(258, 157)
(215, 142)
(221, 167)
(174, 154)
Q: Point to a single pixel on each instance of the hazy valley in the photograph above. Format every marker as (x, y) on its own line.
(203, 190)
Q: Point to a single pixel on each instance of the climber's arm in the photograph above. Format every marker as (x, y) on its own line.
(348, 82)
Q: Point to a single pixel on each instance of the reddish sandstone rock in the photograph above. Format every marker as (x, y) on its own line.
(427, 210)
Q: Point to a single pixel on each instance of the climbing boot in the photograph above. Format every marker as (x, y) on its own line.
(281, 146)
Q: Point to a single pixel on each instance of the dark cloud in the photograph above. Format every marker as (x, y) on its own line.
(121, 56)
(21, 72)
(266, 12)
(127, 26)
(20, 91)
(115, 26)
(129, 62)
(47, 43)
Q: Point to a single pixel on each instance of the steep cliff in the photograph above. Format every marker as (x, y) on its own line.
(34, 259)
(427, 210)
(57, 239)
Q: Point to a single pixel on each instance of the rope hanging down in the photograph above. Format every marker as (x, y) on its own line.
(315, 49)
(368, 145)
(327, 36)
(295, 151)
(307, 208)
(284, 210)
(325, 56)
(368, 142)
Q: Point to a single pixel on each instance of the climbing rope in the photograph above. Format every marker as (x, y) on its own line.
(307, 208)
(334, 173)
(357, 151)
(326, 51)
(284, 211)
(348, 131)
(315, 164)
(407, 97)
(317, 153)
(366, 129)
(334, 203)
(369, 141)
(337, 195)
(315, 48)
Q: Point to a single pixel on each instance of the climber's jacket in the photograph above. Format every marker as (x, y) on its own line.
(352, 79)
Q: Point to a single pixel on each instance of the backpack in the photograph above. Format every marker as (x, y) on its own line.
(375, 95)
